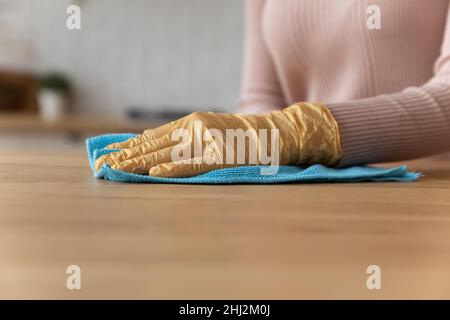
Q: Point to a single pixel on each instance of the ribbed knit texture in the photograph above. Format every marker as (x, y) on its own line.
(388, 89)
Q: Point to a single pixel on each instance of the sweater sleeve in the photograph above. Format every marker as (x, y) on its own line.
(405, 125)
(260, 89)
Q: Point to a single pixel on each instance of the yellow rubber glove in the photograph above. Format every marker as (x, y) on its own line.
(302, 134)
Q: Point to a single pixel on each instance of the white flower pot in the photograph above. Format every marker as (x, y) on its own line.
(52, 105)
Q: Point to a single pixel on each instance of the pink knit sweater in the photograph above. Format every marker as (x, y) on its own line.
(388, 88)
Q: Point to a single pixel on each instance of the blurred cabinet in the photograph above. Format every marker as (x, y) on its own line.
(18, 92)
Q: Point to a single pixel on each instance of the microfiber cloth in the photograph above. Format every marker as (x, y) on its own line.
(245, 175)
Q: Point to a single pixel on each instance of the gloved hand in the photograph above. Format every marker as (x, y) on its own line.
(302, 134)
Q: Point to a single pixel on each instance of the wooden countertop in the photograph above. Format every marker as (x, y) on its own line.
(72, 124)
(175, 241)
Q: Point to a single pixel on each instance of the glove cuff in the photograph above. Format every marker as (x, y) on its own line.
(314, 134)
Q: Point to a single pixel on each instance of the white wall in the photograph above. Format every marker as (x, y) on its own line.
(131, 52)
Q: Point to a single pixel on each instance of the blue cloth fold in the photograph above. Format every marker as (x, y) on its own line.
(245, 175)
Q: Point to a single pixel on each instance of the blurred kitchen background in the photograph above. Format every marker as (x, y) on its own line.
(134, 64)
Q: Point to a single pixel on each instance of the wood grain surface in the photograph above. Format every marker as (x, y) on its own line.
(289, 241)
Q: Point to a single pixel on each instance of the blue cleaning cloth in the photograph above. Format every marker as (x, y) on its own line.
(245, 175)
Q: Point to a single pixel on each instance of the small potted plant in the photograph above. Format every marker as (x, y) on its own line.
(54, 96)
